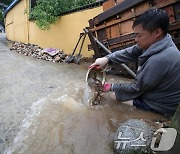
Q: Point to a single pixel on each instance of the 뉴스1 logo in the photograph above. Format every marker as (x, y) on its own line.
(167, 139)
(163, 140)
(125, 140)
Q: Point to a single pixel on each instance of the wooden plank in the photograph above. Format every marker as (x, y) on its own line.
(142, 8)
(125, 15)
(91, 23)
(122, 45)
(128, 14)
(161, 3)
(120, 39)
(138, 11)
(175, 25)
(120, 20)
(170, 11)
(101, 34)
(177, 11)
(108, 4)
(115, 31)
(120, 29)
(117, 9)
(126, 27)
(108, 33)
(119, 1)
(130, 36)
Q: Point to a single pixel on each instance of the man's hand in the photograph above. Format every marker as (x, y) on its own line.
(106, 87)
(100, 63)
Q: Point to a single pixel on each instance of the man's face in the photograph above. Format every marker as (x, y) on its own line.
(143, 37)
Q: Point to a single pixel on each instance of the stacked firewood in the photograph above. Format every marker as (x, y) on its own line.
(49, 54)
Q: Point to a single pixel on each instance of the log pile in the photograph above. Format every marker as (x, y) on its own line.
(49, 54)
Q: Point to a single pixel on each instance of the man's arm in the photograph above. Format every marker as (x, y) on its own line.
(130, 54)
(148, 79)
(126, 55)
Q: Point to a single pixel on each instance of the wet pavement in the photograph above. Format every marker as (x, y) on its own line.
(44, 110)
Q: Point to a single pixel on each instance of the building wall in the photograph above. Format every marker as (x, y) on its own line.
(63, 34)
(16, 23)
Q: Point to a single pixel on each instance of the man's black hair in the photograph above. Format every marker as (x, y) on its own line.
(153, 19)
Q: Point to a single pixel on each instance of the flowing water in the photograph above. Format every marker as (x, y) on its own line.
(64, 123)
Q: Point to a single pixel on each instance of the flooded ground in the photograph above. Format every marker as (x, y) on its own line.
(63, 123)
(44, 106)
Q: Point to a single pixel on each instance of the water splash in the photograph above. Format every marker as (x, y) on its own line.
(88, 94)
(63, 122)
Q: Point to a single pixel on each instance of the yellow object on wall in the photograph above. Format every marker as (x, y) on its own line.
(63, 34)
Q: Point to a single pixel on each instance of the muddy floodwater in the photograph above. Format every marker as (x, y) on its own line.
(64, 122)
(44, 108)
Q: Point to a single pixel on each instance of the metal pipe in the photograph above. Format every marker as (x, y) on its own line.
(10, 7)
(108, 51)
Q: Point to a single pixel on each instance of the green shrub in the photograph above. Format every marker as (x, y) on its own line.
(46, 12)
(1, 16)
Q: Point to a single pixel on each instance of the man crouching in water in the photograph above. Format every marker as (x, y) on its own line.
(157, 83)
